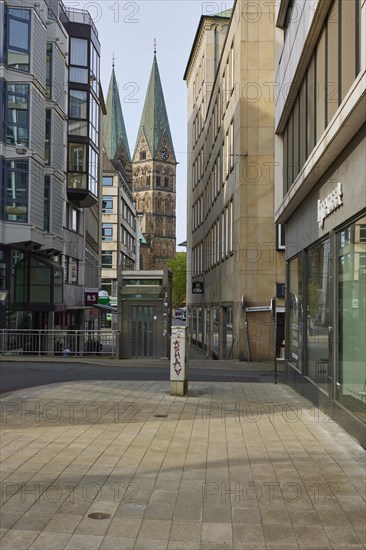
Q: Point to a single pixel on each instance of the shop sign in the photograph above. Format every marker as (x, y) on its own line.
(329, 204)
(103, 298)
(258, 308)
(90, 297)
(198, 287)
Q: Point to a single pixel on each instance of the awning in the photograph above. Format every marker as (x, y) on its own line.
(107, 309)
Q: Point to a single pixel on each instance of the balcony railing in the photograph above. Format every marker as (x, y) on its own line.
(62, 343)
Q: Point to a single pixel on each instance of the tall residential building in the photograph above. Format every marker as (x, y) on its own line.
(49, 218)
(118, 208)
(321, 199)
(154, 170)
(232, 253)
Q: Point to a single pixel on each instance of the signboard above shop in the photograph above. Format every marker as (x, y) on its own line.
(90, 296)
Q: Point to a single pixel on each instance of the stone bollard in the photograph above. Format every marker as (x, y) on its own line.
(179, 361)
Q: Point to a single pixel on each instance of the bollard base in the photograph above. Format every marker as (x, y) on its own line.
(178, 387)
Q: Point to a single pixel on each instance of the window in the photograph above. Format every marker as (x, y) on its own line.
(93, 171)
(320, 86)
(47, 203)
(77, 157)
(74, 270)
(280, 237)
(49, 60)
(363, 233)
(332, 70)
(74, 220)
(17, 113)
(157, 180)
(107, 180)
(142, 154)
(351, 314)
(93, 120)
(78, 103)
(107, 259)
(77, 166)
(15, 191)
(107, 204)
(78, 109)
(229, 149)
(94, 70)
(295, 312)
(318, 311)
(78, 59)
(18, 39)
(47, 139)
(107, 232)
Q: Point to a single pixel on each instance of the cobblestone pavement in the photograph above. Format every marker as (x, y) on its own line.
(228, 466)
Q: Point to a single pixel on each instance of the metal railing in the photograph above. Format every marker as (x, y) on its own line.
(66, 343)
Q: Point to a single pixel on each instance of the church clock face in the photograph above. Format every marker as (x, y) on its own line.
(164, 153)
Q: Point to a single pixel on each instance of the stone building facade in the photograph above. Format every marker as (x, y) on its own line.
(233, 257)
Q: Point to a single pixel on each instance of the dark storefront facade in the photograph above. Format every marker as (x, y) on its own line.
(326, 291)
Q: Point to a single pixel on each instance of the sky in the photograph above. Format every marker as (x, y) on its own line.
(127, 30)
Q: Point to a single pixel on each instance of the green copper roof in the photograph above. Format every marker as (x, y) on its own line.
(226, 13)
(154, 118)
(114, 130)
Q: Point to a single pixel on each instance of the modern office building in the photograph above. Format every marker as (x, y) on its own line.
(234, 265)
(321, 199)
(154, 181)
(49, 216)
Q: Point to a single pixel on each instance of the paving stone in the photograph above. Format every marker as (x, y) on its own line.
(84, 542)
(63, 523)
(19, 540)
(183, 544)
(343, 537)
(279, 535)
(124, 527)
(155, 529)
(187, 483)
(185, 530)
(159, 510)
(311, 536)
(54, 541)
(216, 533)
(247, 535)
(117, 543)
(216, 514)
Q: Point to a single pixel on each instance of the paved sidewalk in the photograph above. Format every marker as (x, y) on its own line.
(229, 466)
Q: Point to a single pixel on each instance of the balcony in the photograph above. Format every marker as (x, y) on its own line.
(78, 191)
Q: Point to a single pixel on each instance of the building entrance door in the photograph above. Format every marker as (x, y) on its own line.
(142, 320)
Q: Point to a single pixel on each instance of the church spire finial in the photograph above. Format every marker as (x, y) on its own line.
(113, 61)
(154, 46)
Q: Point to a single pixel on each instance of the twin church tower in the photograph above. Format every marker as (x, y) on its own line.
(151, 170)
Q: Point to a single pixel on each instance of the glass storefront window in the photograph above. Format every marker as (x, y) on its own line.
(318, 320)
(351, 375)
(295, 312)
(215, 331)
(229, 332)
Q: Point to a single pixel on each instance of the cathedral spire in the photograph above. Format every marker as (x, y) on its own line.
(114, 130)
(154, 119)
